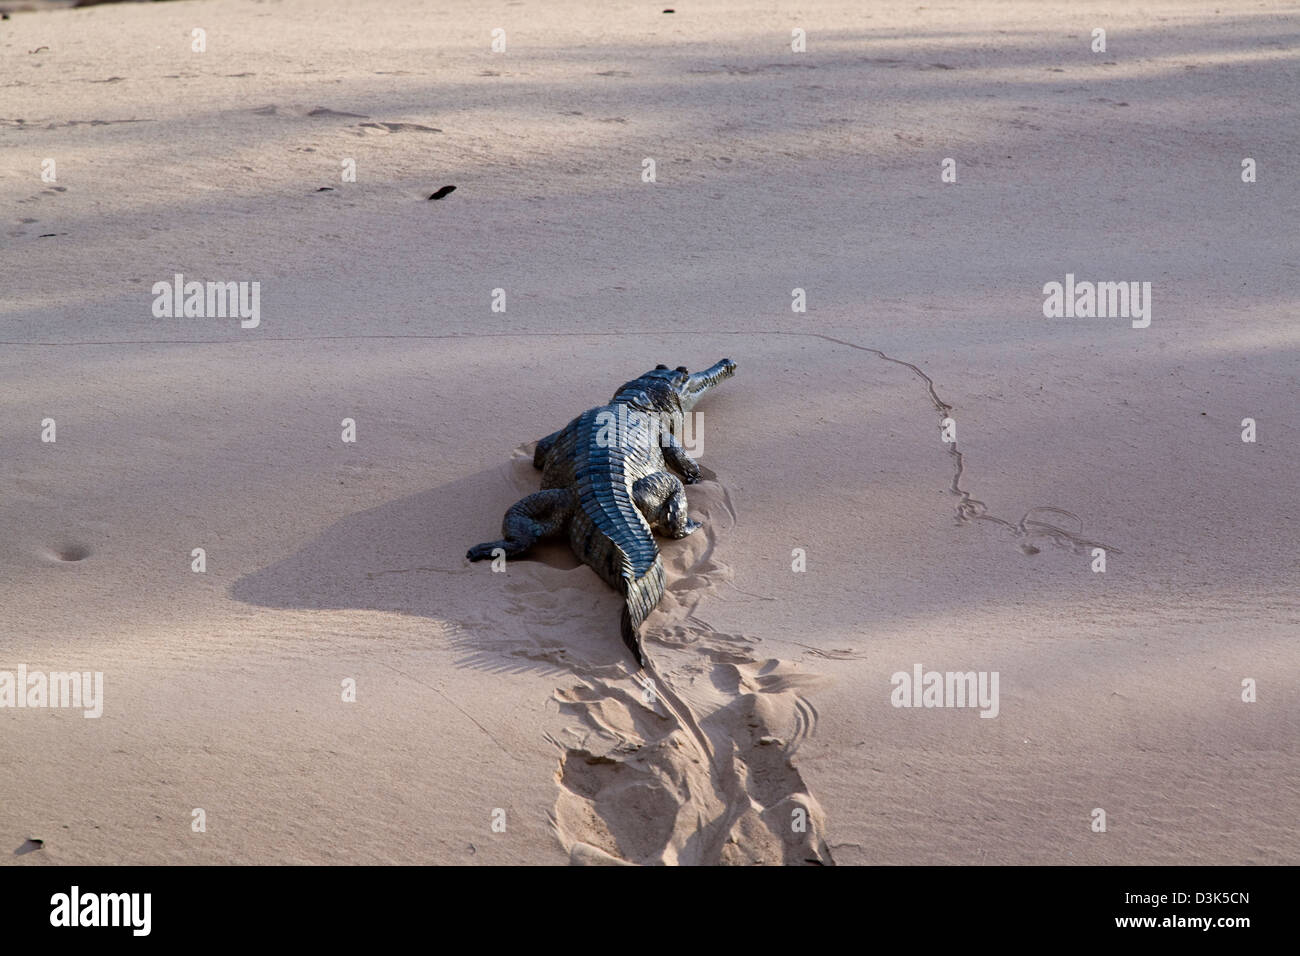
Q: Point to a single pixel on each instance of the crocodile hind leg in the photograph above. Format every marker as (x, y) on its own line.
(543, 448)
(662, 499)
(528, 520)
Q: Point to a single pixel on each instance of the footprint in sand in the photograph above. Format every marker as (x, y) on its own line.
(67, 553)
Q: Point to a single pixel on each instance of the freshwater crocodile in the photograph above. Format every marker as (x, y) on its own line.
(605, 482)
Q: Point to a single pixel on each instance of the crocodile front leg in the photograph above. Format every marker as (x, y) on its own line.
(675, 454)
(662, 500)
(538, 516)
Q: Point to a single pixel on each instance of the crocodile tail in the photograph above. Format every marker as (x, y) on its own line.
(643, 594)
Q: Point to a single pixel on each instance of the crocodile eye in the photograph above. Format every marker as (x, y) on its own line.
(659, 368)
(683, 368)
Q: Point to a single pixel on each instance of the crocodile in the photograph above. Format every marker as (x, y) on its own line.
(605, 482)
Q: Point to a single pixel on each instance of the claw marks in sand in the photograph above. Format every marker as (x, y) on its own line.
(695, 765)
(639, 788)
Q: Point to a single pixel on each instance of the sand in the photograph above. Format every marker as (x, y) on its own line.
(497, 718)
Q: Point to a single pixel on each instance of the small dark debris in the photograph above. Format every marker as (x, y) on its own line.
(322, 111)
(670, 10)
(325, 189)
(48, 235)
(444, 191)
(400, 127)
(38, 49)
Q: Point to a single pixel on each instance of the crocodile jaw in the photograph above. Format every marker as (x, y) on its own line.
(697, 384)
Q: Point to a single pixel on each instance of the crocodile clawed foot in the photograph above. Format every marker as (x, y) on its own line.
(691, 526)
(692, 478)
(480, 552)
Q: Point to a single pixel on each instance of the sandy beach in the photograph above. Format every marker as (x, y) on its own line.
(914, 176)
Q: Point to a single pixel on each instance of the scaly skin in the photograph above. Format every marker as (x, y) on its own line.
(606, 483)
